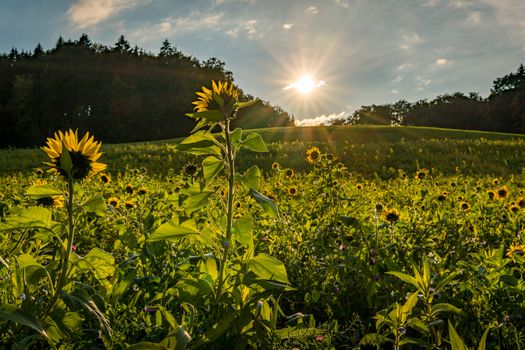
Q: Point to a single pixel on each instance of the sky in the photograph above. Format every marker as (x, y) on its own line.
(353, 52)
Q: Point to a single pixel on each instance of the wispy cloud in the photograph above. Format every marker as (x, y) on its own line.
(474, 18)
(324, 119)
(249, 27)
(442, 62)
(287, 26)
(398, 79)
(87, 13)
(432, 3)
(312, 10)
(410, 40)
(422, 82)
(342, 3)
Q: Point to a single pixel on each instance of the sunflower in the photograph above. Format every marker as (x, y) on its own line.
(129, 204)
(391, 215)
(441, 197)
(491, 194)
(421, 174)
(142, 191)
(39, 172)
(313, 155)
(502, 192)
(84, 154)
(275, 166)
(113, 202)
(514, 208)
(207, 98)
(292, 191)
(129, 188)
(516, 249)
(465, 206)
(190, 169)
(520, 202)
(289, 173)
(104, 178)
(51, 201)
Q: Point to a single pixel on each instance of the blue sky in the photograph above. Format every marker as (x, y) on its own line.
(357, 51)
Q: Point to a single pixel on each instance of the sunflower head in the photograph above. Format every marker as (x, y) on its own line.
(520, 202)
(113, 202)
(129, 188)
(142, 191)
(83, 154)
(222, 97)
(313, 155)
(104, 178)
(421, 174)
(391, 215)
(275, 166)
(129, 204)
(51, 201)
(516, 249)
(465, 206)
(292, 191)
(491, 194)
(502, 192)
(514, 208)
(289, 173)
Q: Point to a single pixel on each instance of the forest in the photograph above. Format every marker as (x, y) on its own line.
(121, 93)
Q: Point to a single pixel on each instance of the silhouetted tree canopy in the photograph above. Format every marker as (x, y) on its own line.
(503, 110)
(119, 93)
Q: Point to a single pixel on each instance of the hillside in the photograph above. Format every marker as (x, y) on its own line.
(366, 150)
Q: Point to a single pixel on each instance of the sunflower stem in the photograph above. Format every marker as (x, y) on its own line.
(70, 236)
(229, 209)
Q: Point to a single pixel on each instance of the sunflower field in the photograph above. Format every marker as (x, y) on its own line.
(223, 242)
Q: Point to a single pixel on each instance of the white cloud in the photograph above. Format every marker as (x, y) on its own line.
(398, 79)
(321, 120)
(87, 13)
(312, 10)
(404, 66)
(459, 4)
(394, 91)
(422, 82)
(342, 3)
(474, 18)
(442, 62)
(165, 27)
(410, 40)
(248, 27)
(432, 3)
(287, 26)
(197, 20)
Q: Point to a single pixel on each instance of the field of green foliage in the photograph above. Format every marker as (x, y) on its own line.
(328, 238)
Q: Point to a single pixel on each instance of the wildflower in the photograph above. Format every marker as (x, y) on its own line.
(113, 202)
(503, 192)
(359, 187)
(392, 215)
(495, 181)
(84, 154)
(292, 191)
(51, 201)
(129, 188)
(289, 173)
(275, 166)
(313, 155)
(39, 172)
(104, 178)
(142, 191)
(421, 174)
(465, 206)
(207, 99)
(516, 249)
(74, 247)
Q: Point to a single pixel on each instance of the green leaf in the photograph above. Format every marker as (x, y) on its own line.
(445, 307)
(251, 178)
(483, 342)
(509, 280)
(405, 278)
(266, 203)
(211, 167)
(66, 163)
(96, 205)
(236, 137)
(200, 143)
(240, 105)
(28, 218)
(210, 116)
(455, 341)
(32, 269)
(197, 201)
(219, 328)
(122, 286)
(254, 142)
(101, 263)
(145, 345)
(269, 268)
(242, 229)
(42, 191)
(178, 340)
(171, 231)
(191, 288)
(13, 313)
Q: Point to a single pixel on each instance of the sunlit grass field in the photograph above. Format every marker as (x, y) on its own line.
(393, 238)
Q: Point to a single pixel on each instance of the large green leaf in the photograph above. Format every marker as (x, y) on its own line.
(191, 288)
(172, 231)
(42, 191)
(455, 340)
(96, 205)
(145, 345)
(200, 143)
(211, 167)
(13, 313)
(405, 278)
(266, 203)
(242, 230)
(101, 263)
(33, 271)
(211, 116)
(197, 200)
(267, 267)
(254, 142)
(28, 218)
(66, 163)
(251, 178)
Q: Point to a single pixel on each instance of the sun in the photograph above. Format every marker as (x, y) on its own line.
(305, 85)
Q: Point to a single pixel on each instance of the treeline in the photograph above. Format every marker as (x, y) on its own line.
(503, 110)
(120, 93)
